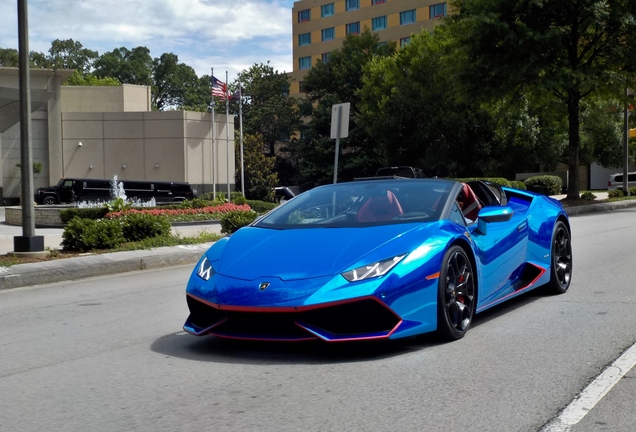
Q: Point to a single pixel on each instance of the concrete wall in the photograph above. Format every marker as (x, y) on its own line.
(156, 145)
(124, 98)
(11, 181)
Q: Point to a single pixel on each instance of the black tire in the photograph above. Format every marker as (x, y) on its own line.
(49, 200)
(456, 295)
(560, 260)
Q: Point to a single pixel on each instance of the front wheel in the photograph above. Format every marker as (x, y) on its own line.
(456, 297)
(49, 200)
(560, 260)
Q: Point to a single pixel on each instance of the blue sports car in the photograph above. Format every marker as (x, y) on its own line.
(381, 258)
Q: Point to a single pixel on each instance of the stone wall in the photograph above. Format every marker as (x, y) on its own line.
(45, 216)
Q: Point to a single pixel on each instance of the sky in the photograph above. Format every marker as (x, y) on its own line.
(227, 35)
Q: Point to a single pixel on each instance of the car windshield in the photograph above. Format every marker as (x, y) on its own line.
(362, 203)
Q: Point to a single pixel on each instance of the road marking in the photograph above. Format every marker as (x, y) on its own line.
(593, 393)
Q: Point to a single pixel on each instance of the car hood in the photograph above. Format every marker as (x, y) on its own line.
(294, 254)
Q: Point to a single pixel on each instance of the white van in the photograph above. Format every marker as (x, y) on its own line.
(616, 181)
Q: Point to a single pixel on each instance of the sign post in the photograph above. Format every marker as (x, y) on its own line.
(339, 129)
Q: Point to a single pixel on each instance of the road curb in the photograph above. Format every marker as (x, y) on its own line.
(82, 267)
(600, 207)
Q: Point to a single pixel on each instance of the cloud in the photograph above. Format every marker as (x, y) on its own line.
(227, 34)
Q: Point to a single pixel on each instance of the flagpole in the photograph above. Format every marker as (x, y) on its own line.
(213, 167)
(227, 137)
(240, 89)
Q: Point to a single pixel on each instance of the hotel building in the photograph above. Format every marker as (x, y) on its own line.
(320, 26)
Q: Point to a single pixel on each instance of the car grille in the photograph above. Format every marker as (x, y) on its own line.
(365, 318)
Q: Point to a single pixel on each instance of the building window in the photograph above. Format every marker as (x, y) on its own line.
(301, 87)
(375, 2)
(327, 10)
(407, 17)
(405, 41)
(325, 57)
(378, 23)
(304, 62)
(304, 15)
(438, 10)
(304, 39)
(328, 34)
(352, 5)
(353, 28)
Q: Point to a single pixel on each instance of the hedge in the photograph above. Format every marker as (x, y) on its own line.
(545, 184)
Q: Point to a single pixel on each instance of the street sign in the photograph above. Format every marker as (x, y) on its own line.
(340, 120)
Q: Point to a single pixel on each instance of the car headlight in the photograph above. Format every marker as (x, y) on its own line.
(205, 269)
(377, 269)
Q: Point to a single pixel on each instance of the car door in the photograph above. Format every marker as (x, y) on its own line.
(501, 252)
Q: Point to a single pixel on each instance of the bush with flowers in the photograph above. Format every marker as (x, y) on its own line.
(185, 214)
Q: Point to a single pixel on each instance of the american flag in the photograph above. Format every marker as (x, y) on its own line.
(218, 87)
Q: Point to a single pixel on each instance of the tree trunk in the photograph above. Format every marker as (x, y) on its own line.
(574, 100)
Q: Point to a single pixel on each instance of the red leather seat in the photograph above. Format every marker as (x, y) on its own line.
(380, 208)
(471, 204)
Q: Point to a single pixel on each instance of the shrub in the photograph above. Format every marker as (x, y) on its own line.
(545, 184)
(195, 203)
(261, 207)
(518, 184)
(138, 226)
(239, 199)
(84, 213)
(87, 234)
(499, 180)
(616, 193)
(232, 221)
(632, 191)
(588, 196)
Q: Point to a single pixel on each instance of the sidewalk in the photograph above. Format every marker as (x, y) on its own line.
(117, 262)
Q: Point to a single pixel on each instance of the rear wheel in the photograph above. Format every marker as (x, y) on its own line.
(561, 260)
(456, 297)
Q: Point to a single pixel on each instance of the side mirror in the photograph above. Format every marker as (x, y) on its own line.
(492, 214)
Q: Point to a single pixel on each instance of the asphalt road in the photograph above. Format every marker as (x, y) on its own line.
(108, 354)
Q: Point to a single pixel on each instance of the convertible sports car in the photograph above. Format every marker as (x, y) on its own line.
(380, 258)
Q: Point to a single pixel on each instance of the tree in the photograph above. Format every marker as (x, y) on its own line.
(268, 110)
(8, 57)
(128, 66)
(260, 178)
(328, 83)
(172, 82)
(77, 79)
(69, 54)
(569, 49)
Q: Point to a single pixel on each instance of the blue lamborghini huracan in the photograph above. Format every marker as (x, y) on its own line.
(380, 258)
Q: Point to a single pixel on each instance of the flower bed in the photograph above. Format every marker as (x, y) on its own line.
(186, 214)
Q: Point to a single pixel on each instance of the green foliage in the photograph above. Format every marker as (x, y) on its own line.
(232, 221)
(261, 207)
(545, 184)
(136, 227)
(615, 193)
(588, 196)
(518, 184)
(78, 79)
(499, 180)
(551, 49)
(270, 114)
(195, 203)
(69, 54)
(632, 191)
(173, 83)
(127, 66)
(118, 204)
(260, 178)
(9, 57)
(86, 234)
(37, 167)
(83, 213)
(239, 199)
(330, 83)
